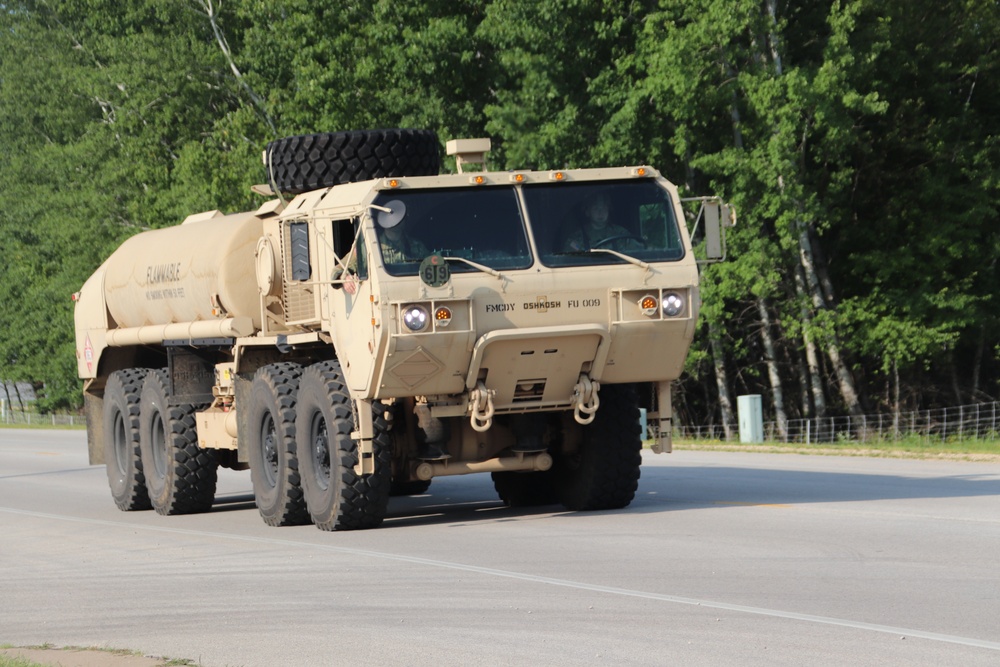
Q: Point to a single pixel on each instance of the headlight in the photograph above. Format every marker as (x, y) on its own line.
(673, 304)
(648, 305)
(415, 318)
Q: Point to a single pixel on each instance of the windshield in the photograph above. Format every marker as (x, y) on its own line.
(574, 222)
(482, 225)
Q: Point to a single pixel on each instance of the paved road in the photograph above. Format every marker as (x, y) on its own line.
(723, 559)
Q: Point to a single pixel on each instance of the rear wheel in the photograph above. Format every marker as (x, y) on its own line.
(180, 475)
(121, 439)
(337, 497)
(274, 468)
(603, 472)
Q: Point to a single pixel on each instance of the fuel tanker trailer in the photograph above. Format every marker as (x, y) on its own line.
(376, 324)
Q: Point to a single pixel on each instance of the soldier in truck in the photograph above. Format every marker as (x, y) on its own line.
(597, 230)
(397, 244)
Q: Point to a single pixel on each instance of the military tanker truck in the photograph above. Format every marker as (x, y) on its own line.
(376, 324)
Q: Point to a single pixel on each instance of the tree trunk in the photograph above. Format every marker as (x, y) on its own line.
(977, 362)
(803, 371)
(953, 372)
(17, 391)
(777, 393)
(845, 380)
(6, 390)
(812, 358)
(721, 380)
(812, 283)
(895, 399)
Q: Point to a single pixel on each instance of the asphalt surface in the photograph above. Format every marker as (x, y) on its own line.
(723, 559)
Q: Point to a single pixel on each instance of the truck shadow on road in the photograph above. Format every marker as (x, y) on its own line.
(470, 499)
(460, 500)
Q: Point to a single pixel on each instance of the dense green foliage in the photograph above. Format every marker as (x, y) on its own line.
(859, 140)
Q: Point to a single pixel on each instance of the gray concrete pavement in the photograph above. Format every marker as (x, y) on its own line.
(723, 559)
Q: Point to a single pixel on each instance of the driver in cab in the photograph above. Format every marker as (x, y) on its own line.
(396, 245)
(598, 232)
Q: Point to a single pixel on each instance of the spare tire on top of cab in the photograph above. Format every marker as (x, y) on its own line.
(313, 161)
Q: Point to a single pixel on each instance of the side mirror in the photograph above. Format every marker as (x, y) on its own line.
(718, 216)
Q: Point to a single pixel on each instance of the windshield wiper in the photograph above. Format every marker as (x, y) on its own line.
(628, 258)
(476, 265)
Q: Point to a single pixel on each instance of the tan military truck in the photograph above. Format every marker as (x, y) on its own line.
(375, 325)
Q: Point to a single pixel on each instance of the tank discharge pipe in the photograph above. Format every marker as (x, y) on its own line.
(233, 327)
(525, 463)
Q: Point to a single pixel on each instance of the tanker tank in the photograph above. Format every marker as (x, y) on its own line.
(182, 274)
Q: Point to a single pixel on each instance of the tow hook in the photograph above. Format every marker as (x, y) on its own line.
(585, 400)
(481, 406)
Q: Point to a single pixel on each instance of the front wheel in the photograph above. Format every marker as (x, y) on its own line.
(337, 497)
(180, 475)
(602, 473)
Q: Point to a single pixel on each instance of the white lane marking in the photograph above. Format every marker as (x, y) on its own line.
(611, 590)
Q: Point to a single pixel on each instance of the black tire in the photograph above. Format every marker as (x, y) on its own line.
(274, 468)
(603, 473)
(337, 498)
(526, 489)
(180, 475)
(413, 487)
(313, 161)
(121, 439)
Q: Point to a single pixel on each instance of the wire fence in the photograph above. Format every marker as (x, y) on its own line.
(14, 417)
(979, 421)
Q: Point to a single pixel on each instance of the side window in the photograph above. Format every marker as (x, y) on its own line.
(344, 233)
(362, 258)
(657, 226)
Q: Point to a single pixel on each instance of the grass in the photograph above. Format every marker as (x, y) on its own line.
(969, 449)
(9, 661)
(48, 427)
